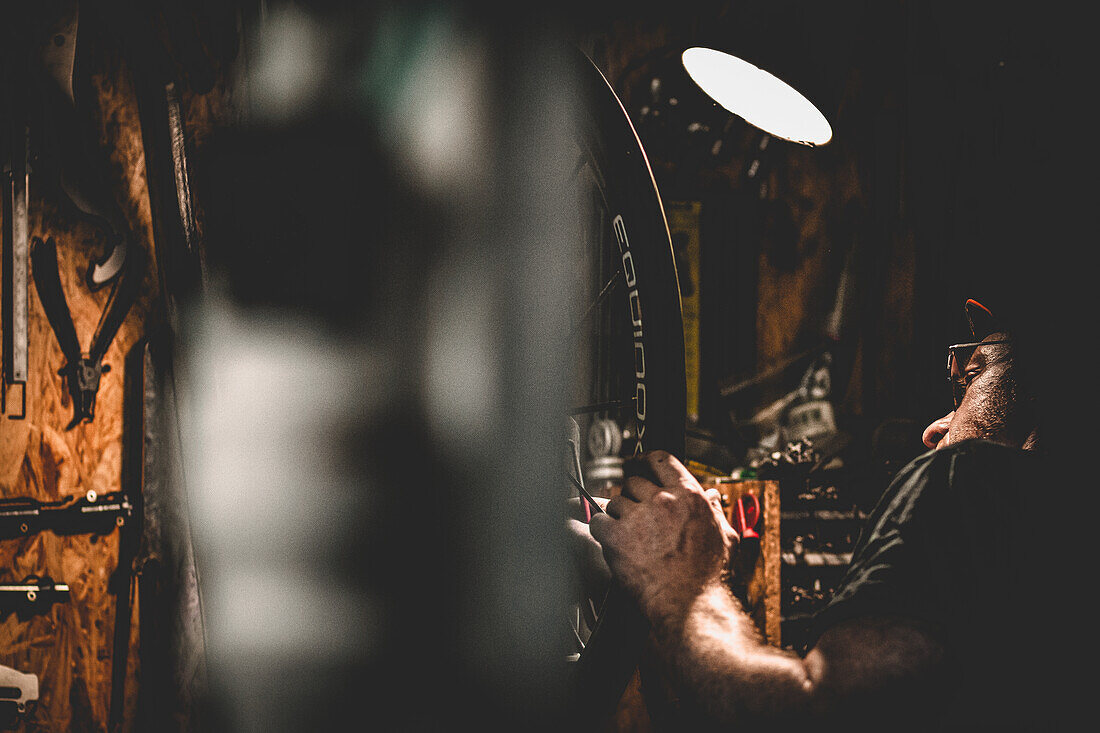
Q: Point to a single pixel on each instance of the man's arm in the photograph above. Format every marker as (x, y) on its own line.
(669, 546)
(862, 671)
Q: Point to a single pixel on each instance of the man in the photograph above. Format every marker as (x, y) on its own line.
(995, 407)
(934, 624)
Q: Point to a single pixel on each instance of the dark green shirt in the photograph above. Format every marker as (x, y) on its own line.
(957, 542)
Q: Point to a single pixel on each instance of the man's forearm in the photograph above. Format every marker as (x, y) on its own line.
(718, 659)
(668, 543)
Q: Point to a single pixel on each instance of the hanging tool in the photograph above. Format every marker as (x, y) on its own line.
(32, 595)
(81, 370)
(43, 126)
(18, 694)
(746, 515)
(89, 514)
(72, 163)
(157, 551)
(15, 148)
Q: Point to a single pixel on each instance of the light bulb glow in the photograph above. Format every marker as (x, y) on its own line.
(761, 99)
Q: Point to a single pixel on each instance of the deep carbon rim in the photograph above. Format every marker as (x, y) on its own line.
(635, 342)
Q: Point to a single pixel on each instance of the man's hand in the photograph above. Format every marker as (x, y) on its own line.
(664, 538)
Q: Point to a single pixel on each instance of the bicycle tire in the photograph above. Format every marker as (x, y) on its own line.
(650, 324)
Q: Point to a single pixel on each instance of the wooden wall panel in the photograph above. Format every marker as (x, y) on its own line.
(70, 647)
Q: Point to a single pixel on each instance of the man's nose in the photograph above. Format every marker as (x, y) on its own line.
(936, 430)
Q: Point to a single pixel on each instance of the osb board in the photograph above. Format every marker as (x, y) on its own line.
(70, 646)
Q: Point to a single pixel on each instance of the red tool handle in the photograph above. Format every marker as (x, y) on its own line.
(746, 514)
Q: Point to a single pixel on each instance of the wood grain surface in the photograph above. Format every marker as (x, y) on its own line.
(70, 647)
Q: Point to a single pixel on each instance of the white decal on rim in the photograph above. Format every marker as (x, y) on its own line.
(636, 318)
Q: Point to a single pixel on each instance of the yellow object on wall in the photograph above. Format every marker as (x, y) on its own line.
(683, 226)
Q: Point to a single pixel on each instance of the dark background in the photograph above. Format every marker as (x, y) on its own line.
(935, 178)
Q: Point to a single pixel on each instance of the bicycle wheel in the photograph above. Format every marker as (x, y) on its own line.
(631, 390)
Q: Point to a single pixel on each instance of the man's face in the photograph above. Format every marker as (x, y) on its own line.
(989, 407)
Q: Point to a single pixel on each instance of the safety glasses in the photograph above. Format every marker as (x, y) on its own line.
(959, 354)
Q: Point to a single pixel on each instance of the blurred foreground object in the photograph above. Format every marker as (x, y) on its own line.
(382, 334)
